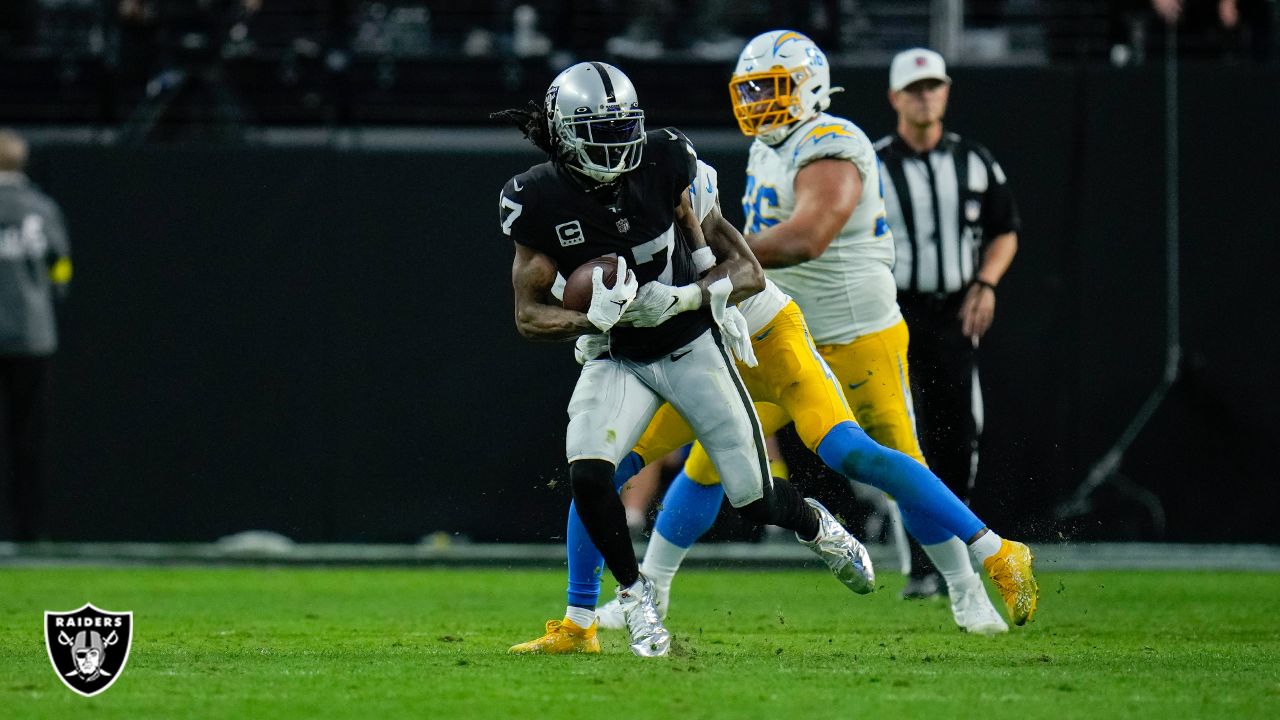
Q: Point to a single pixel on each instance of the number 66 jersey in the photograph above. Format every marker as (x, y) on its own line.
(549, 209)
(848, 291)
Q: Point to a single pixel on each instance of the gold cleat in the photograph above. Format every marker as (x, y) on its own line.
(1011, 570)
(563, 638)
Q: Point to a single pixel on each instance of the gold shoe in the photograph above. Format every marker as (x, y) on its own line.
(1011, 570)
(563, 637)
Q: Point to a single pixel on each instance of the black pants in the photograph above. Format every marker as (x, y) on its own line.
(24, 382)
(942, 362)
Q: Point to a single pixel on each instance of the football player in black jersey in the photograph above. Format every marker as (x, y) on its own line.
(609, 187)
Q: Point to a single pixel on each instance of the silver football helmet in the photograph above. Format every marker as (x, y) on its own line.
(596, 121)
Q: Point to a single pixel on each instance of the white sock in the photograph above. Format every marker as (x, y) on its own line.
(899, 534)
(951, 557)
(662, 560)
(582, 617)
(636, 587)
(985, 546)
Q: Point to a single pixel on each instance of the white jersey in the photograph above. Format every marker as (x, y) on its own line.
(848, 291)
(761, 308)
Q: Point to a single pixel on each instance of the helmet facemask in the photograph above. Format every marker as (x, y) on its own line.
(765, 102)
(603, 145)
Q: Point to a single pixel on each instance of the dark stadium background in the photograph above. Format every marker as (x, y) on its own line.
(307, 327)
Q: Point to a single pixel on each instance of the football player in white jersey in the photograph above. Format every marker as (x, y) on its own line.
(816, 221)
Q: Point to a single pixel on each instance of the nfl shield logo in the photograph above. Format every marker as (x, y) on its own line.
(88, 647)
(624, 225)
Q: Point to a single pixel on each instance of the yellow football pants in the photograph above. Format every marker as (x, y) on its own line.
(873, 372)
(791, 382)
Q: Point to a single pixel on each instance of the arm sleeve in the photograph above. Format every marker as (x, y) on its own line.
(59, 249)
(999, 210)
(56, 231)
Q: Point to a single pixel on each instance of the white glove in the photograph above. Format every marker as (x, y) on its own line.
(590, 347)
(608, 304)
(733, 325)
(658, 302)
(703, 259)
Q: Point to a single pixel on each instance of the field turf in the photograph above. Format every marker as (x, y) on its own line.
(381, 643)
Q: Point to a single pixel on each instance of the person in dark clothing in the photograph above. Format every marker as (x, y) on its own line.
(35, 267)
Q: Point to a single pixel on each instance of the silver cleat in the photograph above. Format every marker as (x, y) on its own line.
(841, 551)
(648, 637)
(610, 614)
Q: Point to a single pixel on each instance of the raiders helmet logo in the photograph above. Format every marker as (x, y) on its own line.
(88, 647)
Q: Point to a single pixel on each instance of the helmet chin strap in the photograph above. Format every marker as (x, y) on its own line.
(779, 135)
(589, 181)
(599, 176)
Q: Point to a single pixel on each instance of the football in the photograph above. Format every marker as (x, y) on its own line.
(577, 287)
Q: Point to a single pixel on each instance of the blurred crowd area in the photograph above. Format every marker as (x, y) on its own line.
(104, 60)
(1019, 31)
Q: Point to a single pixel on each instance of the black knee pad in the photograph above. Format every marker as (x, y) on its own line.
(757, 512)
(782, 506)
(590, 478)
(766, 510)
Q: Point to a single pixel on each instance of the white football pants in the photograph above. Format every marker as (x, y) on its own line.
(615, 399)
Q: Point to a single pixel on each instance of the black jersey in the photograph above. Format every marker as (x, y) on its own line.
(546, 209)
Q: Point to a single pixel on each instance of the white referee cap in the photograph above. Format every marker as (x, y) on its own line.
(916, 64)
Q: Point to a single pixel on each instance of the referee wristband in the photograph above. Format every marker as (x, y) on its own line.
(983, 283)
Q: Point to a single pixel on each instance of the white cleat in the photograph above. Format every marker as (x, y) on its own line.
(841, 551)
(973, 611)
(648, 637)
(610, 614)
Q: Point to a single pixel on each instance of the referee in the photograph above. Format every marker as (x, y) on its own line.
(955, 224)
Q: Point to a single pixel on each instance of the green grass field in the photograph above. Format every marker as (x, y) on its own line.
(377, 643)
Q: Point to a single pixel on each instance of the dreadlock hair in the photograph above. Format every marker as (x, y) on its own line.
(532, 121)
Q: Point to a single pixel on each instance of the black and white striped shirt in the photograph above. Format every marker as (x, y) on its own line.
(943, 206)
